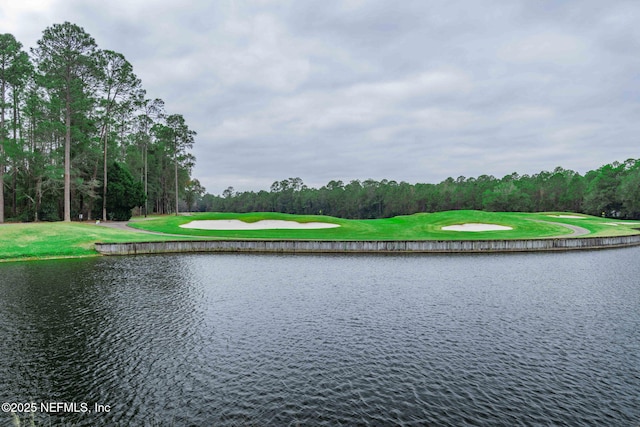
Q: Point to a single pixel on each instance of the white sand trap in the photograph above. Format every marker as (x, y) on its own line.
(476, 227)
(267, 224)
(568, 216)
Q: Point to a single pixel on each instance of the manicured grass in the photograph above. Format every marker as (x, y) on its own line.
(598, 227)
(59, 240)
(413, 227)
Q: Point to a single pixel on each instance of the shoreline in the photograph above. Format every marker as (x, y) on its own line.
(48, 258)
(264, 246)
(368, 246)
(50, 241)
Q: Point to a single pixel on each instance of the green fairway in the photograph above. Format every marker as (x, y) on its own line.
(413, 227)
(59, 239)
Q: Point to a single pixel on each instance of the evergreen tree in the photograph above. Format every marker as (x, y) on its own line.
(14, 66)
(119, 86)
(123, 193)
(66, 59)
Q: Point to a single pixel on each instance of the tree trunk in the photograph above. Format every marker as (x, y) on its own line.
(38, 198)
(146, 180)
(67, 159)
(16, 124)
(104, 184)
(175, 163)
(91, 200)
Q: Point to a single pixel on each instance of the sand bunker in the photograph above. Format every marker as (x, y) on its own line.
(567, 216)
(476, 227)
(234, 224)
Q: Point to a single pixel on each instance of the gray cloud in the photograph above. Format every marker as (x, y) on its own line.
(356, 89)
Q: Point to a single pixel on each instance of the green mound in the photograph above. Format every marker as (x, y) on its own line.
(423, 226)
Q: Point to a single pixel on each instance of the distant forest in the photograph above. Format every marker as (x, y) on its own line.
(612, 190)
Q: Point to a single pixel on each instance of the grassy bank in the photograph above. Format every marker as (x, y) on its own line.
(60, 240)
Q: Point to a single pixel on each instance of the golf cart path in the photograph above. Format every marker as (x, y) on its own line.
(575, 230)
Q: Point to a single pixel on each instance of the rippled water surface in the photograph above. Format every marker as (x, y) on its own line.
(203, 340)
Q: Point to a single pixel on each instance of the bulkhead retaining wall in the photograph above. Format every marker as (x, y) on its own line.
(366, 246)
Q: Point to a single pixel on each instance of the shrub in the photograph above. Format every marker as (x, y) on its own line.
(123, 193)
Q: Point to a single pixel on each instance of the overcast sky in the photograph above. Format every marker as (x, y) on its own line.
(412, 91)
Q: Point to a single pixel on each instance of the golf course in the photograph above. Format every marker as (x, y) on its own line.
(77, 239)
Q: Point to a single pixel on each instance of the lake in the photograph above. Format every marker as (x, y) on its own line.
(239, 339)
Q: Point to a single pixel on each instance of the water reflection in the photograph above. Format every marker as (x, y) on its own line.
(323, 340)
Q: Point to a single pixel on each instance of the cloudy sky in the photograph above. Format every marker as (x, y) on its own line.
(412, 91)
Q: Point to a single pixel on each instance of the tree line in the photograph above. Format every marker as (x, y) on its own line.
(80, 138)
(612, 190)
